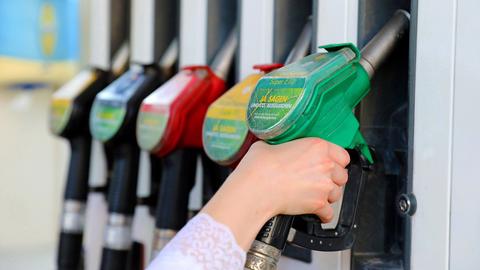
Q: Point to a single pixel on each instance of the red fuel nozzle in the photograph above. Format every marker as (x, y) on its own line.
(172, 116)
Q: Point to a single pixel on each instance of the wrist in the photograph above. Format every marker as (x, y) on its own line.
(242, 206)
(254, 192)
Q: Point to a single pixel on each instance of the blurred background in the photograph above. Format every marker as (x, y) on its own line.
(42, 45)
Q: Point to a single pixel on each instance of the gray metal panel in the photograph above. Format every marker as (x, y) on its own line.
(434, 81)
(141, 31)
(100, 34)
(193, 32)
(256, 34)
(337, 21)
(108, 30)
(465, 214)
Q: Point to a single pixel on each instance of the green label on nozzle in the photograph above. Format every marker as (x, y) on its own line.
(151, 126)
(110, 106)
(106, 121)
(62, 100)
(272, 100)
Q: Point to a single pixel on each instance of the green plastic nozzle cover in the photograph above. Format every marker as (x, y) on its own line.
(313, 97)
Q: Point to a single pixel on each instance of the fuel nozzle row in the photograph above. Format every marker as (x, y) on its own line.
(311, 96)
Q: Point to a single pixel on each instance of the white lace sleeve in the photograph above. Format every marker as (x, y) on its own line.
(203, 244)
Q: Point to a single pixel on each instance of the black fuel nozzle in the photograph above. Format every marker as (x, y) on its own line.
(178, 178)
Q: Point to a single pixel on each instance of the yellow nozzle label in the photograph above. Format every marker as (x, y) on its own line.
(225, 127)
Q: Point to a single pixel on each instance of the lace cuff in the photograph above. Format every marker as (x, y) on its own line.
(204, 242)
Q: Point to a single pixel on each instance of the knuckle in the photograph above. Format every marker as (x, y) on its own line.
(329, 215)
(321, 203)
(346, 158)
(327, 166)
(335, 198)
(341, 154)
(344, 179)
(326, 186)
(319, 145)
(330, 165)
(331, 187)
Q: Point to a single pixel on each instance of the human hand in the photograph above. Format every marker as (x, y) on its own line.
(297, 177)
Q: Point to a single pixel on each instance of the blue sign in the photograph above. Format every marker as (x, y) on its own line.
(40, 29)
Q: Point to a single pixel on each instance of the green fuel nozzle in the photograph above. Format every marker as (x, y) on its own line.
(315, 97)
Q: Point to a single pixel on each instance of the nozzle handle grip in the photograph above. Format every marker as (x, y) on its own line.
(178, 178)
(69, 256)
(76, 190)
(267, 248)
(114, 259)
(275, 231)
(77, 177)
(343, 236)
(122, 191)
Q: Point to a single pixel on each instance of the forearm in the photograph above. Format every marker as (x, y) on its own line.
(241, 208)
(202, 244)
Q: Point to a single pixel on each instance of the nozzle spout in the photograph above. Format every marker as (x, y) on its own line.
(224, 58)
(169, 58)
(383, 43)
(302, 45)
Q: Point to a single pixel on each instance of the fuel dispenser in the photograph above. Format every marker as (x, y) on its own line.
(314, 97)
(169, 125)
(112, 118)
(69, 110)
